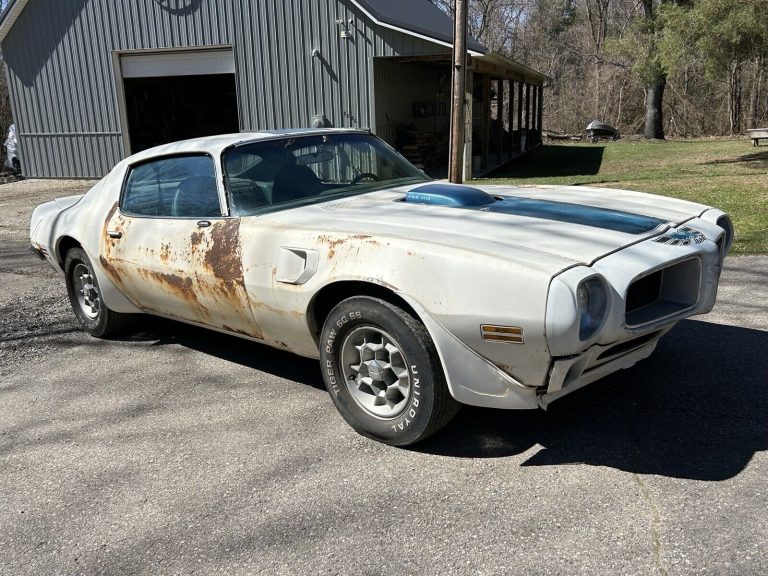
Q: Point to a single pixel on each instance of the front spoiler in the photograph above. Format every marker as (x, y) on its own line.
(570, 374)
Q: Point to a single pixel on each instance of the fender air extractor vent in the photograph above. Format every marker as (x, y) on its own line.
(449, 195)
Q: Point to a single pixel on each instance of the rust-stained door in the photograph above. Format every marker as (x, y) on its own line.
(170, 250)
(182, 268)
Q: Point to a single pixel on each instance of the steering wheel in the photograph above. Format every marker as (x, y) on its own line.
(360, 177)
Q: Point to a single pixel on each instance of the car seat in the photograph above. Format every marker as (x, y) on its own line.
(295, 183)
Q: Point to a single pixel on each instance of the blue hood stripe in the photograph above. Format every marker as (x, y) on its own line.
(574, 214)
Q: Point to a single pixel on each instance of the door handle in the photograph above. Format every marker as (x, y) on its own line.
(114, 234)
(203, 224)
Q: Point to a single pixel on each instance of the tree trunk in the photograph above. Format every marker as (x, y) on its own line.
(654, 96)
(754, 108)
(654, 90)
(734, 96)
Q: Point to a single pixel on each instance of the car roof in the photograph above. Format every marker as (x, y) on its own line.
(216, 144)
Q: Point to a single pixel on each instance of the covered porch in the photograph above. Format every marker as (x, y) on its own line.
(504, 101)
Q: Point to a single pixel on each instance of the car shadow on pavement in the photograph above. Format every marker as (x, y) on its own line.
(247, 353)
(695, 409)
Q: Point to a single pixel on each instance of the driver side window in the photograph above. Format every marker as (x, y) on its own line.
(173, 187)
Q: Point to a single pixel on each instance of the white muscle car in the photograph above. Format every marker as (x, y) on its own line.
(416, 296)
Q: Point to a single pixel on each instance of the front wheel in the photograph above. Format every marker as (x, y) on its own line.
(85, 297)
(383, 373)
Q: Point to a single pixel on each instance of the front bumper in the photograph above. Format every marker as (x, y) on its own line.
(570, 374)
(622, 341)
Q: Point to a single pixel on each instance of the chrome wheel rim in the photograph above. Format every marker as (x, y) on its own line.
(87, 291)
(376, 372)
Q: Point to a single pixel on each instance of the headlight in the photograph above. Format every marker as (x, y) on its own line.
(592, 299)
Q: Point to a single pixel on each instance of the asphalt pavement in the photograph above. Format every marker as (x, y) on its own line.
(175, 450)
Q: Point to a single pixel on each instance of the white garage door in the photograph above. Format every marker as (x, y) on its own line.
(184, 63)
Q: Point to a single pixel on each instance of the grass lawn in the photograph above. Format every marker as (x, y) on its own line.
(730, 175)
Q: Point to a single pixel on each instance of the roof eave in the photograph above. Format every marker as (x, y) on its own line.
(520, 68)
(9, 16)
(378, 21)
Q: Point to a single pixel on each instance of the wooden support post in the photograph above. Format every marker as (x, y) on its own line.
(456, 160)
(519, 117)
(527, 116)
(486, 130)
(468, 124)
(540, 123)
(527, 106)
(511, 115)
(500, 118)
(534, 114)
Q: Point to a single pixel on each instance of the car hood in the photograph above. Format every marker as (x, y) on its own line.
(564, 225)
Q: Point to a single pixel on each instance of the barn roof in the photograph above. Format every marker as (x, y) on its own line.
(415, 17)
(418, 18)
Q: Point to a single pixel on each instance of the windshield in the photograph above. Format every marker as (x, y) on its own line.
(295, 171)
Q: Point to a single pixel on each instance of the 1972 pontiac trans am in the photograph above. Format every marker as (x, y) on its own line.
(416, 296)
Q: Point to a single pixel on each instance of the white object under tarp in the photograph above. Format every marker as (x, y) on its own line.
(10, 147)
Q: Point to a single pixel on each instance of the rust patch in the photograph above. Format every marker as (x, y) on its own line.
(506, 368)
(110, 270)
(236, 330)
(108, 242)
(110, 215)
(334, 243)
(223, 255)
(165, 252)
(183, 287)
(264, 307)
(195, 240)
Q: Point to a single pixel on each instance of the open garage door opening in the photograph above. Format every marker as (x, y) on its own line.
(178, 95)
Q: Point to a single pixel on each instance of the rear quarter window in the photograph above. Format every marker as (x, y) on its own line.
(173, 187)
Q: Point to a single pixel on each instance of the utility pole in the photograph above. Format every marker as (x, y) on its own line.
(459, 86)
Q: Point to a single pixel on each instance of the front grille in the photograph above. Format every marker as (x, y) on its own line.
(663, 293)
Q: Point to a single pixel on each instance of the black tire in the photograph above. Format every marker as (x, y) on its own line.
(404, 418)
(85, 297)
(16, 170)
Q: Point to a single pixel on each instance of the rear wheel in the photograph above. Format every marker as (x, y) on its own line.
(383, 373)
(85, 297)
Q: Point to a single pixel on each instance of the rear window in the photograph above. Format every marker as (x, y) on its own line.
(175, 187)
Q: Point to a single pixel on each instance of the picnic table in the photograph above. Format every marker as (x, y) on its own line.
(758, 134)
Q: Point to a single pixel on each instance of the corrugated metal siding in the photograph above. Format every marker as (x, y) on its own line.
(63, 85)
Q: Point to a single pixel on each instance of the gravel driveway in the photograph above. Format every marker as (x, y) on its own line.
(180, 451)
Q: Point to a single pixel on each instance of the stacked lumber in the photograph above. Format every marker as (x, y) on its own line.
(424, 149)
